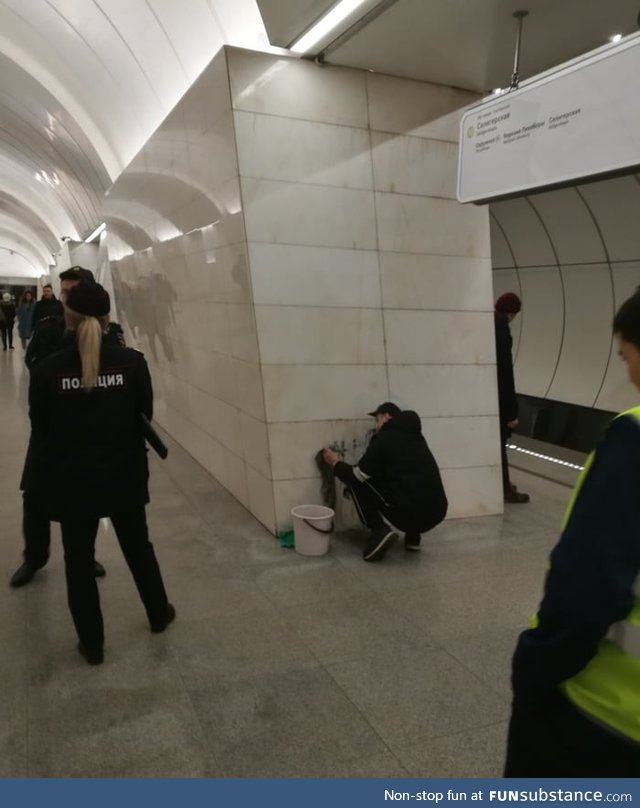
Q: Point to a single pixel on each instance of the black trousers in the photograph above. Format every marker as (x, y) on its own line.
(78, 539)
(372, 507)
(505, 434)
(36, 531)
(7, 335)
(557, 740)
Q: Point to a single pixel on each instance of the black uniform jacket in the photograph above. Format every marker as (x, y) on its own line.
(87, 455)
(400, 466)
(49, 336)
(9, 313)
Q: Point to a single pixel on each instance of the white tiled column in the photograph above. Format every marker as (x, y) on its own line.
(435, 266)
(287, 252)
(369, 280)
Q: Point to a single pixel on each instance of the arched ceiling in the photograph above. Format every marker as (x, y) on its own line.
(84, 83)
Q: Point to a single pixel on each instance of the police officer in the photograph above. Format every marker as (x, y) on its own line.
(89, 460)
(48, 337)
(576, 674)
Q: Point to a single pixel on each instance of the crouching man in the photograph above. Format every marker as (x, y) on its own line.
(396, 485)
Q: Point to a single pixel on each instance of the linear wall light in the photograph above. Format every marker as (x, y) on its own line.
(545, 457)
(96, 233)
(325, 24)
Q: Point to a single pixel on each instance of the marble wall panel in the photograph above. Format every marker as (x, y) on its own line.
(463, 442)
(424, 225)
(294, 445)
(314, 276)
(249, 388)
(415, 107)
(439, 337)
(212, 85)
(242, 330)
(195, 166)
(320, 335)
(445, 390)
(322, 392)
(292, 88)
(473, 491)
(254, 441)
(436, 282)
(291, 150)
(260, 498)
(413, 165)
(317, 216)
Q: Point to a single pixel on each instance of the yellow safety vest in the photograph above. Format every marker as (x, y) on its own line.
(608, 687)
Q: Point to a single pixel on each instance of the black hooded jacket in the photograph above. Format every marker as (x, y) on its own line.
(400, 466)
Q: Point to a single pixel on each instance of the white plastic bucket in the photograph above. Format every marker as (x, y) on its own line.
(312, 525)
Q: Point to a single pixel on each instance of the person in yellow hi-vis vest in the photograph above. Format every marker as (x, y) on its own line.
(576, 673)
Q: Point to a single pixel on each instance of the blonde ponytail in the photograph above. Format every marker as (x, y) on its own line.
(89, 336)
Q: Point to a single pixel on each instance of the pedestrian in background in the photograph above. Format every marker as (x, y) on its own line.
(7, 306)
(507, 307)
(24, 313)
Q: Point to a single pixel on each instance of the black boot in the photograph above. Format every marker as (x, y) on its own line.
(23, 575)
(159, 626)
(94, 656)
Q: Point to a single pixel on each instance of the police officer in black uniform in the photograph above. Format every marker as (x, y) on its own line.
(89, 460)
(48, 337)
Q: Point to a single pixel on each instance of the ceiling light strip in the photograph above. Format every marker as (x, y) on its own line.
(94, 235)
(325, 25)
(358, 25)
(544, 457)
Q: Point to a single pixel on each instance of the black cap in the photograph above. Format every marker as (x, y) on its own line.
(77, 274)
(387, 407)
(89, 299)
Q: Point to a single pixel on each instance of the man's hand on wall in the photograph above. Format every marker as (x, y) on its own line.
(330, 456)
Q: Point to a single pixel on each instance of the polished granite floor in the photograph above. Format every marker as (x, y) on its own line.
(277, 665)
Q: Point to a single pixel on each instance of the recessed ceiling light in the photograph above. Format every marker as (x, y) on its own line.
(324, 25)
(615, 38)
(93, 235)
